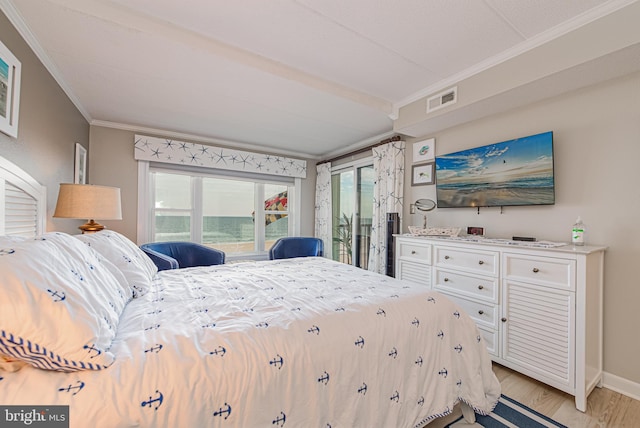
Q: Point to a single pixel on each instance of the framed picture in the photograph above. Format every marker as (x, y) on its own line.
(424, 150)
(10, 69)
(423, 174)
(80, 175)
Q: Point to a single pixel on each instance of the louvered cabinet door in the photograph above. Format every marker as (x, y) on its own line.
(419, 273)
(538, 332)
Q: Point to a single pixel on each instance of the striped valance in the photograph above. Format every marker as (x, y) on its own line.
(178, 152)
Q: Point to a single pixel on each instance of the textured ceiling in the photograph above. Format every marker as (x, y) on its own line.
(296, 76)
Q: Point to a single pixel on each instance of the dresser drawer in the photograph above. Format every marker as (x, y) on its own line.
(546, 271)
(474, 261)
(418, 251)
(481, 287)
(484, 314)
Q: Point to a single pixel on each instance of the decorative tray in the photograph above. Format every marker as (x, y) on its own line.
(434, 231)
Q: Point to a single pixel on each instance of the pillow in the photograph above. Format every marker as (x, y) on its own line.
(68, 243)
(136, 266)
(59, 304)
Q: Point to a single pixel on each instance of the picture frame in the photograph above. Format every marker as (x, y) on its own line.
(10, 72)
(80, 169)
(424, 150)
(423, 174)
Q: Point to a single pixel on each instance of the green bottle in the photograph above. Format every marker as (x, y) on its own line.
(577, 232)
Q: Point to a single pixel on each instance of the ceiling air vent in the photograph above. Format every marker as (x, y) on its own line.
(443, 99)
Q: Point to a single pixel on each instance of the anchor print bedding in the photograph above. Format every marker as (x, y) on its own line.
(305, 342)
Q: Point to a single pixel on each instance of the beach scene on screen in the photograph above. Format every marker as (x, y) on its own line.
(515, 172)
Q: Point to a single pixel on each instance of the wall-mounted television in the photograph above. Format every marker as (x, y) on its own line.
(514, 172)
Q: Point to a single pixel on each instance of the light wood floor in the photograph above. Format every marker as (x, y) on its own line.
(605, 408)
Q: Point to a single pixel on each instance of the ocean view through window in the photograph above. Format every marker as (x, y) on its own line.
(235, 215)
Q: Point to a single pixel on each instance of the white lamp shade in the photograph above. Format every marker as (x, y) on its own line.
(88, 201)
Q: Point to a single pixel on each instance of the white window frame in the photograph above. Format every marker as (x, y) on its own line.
(146, 220)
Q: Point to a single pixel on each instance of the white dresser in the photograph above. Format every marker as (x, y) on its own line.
(539, 309)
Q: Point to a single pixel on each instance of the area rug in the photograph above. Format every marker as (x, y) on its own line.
(510, 414)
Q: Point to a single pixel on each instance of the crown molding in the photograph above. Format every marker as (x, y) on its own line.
(200, 139)
(360, 144)
(538, 40)
(238, 145)
(16, 19)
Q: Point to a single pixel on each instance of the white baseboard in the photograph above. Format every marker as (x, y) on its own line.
(621, 385)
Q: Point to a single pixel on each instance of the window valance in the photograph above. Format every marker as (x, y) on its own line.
(165, 150)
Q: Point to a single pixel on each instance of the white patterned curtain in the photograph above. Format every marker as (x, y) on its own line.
(388, 167)
(324, 225)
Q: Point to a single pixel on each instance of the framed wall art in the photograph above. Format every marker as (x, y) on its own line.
(423, 174)
(10, 69)
(424, 150)
(80, 170)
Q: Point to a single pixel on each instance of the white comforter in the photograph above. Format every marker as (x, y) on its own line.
(292, 343)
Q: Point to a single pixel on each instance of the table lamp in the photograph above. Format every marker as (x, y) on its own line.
(88, 201)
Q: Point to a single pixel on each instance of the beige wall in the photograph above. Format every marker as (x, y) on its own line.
(48, 128)
(597, 148)
(112, 164)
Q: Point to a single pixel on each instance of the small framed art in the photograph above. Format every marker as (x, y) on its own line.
(80, 171)
(423, 174)
(424, 150)
(10, 69)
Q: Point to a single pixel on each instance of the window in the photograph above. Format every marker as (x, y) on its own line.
(241, 216)
(352, 205)
(172, 202)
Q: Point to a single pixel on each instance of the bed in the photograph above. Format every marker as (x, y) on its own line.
(86, 321)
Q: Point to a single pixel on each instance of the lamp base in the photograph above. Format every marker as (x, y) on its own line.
(91, 226)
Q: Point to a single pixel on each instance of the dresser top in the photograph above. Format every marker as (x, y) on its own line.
(561, 247)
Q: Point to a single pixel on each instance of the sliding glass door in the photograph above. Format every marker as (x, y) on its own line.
(352, 204)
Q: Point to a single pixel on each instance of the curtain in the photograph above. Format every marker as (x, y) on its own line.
(324, 225)
(388, 167)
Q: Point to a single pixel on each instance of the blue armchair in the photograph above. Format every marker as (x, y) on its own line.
(174, 255)
(296, 246)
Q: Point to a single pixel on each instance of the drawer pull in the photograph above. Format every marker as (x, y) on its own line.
(480, 312)
(480, 287)
(413, 251)
(503, 319)
(446, 280)
(536, 270)
(446, 257)
(480, 262)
